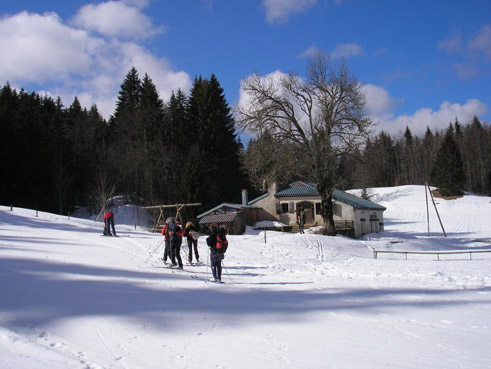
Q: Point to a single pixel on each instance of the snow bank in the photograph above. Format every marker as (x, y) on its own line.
(70, 298)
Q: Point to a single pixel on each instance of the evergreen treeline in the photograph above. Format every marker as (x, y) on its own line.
(55, 158)
(454, 160)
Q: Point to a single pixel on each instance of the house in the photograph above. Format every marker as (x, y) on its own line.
(353, 216)
(233, 217)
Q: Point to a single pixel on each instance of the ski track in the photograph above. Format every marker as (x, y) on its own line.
(418, 304)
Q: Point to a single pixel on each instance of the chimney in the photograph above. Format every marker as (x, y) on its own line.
(245, 200)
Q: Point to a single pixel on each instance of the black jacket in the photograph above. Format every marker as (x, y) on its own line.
(187, 231)
(211, 240)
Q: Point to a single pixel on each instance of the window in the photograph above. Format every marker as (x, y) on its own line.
(337, 209)
(317, 208)
(291, 207)
(284, 208)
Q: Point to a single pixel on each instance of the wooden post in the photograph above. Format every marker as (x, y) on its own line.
(427, 188)
(434, 204)
(162, 207)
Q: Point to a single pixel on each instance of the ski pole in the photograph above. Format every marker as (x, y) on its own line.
(208, 263)
(226, 271)
(153, 252)
(156, 249)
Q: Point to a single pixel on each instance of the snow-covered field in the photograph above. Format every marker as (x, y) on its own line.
(70, 298)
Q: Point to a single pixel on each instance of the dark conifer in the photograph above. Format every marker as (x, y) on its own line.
(448, 171)
(210, 115)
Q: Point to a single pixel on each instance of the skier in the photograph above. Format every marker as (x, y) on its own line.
(216, 257)
(165, 233)
(175, 234)
(301, 221)
(109, 224)
(192, 241)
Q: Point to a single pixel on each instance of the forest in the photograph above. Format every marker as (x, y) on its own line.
(57, 158)
(456, 159)
(188, 150)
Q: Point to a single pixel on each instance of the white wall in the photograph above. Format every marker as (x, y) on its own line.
(342, 211)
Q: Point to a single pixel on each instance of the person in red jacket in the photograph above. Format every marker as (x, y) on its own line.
(165, 233)
(109, 224)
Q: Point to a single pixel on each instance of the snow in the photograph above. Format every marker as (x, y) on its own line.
(269, 224)
(70, 298)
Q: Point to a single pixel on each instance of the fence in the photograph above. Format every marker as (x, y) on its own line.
(344, 224)
(437, 253)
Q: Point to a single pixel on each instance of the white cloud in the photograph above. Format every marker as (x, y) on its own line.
(66, 61)
(475, 53)
(380, 107)
(278, 11)
(311, 51)
(466, 70)
(116, 19)
(39, 48)
(378, 101)
(452, 45)
(436, 120)
(347, 51)
(482, 42)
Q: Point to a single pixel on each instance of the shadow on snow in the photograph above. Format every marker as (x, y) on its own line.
(35, 293)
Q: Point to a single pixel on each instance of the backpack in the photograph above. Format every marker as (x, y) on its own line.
(222, 243)
(177, 231)
(194, 234)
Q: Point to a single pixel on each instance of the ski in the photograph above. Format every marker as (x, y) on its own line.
(213, 281)
(173, 267)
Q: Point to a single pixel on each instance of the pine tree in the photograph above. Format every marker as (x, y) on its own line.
(151, 114)
(126, 155)
(448, 171)
(175, 139)
(125, 117)
(408, 158)
(211, 125)
(9, 103)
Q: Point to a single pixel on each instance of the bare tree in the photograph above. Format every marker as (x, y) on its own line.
(324, 114)
(103, 190)
(61, 181)
(268, 161)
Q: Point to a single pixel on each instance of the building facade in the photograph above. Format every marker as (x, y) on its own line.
(353, 215)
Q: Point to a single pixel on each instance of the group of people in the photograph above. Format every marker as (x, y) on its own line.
(173, 236)
(174, 233)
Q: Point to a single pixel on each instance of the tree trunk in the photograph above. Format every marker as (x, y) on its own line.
(327, 209)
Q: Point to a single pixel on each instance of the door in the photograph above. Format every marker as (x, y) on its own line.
(308, 211)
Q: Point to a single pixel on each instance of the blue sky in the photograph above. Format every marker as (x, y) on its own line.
(422, 63)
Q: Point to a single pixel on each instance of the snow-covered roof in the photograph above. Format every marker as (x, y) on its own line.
(258, 198)
(226, 208)
(218, 218)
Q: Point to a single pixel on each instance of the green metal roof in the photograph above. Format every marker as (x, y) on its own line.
(298, 188)
(355, 201)
(301, 188)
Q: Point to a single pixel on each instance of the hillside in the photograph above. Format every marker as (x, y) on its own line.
(70, 298)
